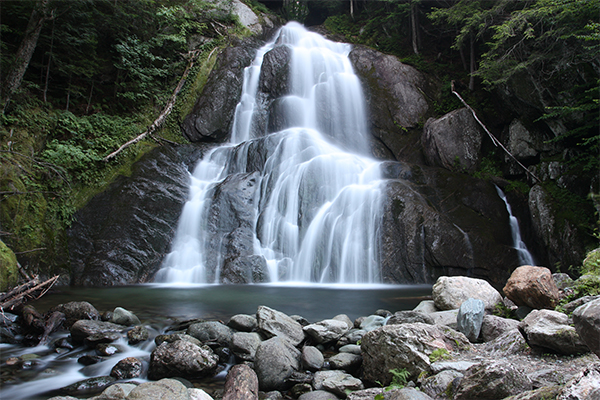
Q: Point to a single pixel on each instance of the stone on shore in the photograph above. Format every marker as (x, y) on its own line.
(406, 346)
(437, 385)
(163, 389)
(211, 333)
(275, 361)
(533, 287)
(275, 323)
(327, 330)
(243, 323)
(181, 359)
(312, 359)
(494, 326)
(319, 395)
(449, 292)
(409, 317)
(337, 382)
(587, 324)
(75, 311)
(241, 384)
(492, 380)
(550, 330)
(584, 386)
(84, 328)
(244, 345)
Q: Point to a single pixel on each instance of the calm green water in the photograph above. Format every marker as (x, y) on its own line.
(222, 301)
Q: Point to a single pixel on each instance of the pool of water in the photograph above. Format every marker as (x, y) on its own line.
(47, 370)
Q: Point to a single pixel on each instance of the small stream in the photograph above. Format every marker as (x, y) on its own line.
(42, 370)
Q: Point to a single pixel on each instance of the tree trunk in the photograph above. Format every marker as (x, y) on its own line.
(48, 66)
(472, 64)
(13, 79)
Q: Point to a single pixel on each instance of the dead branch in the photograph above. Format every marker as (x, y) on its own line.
(164, 114)
(31, 289)
(494, 139)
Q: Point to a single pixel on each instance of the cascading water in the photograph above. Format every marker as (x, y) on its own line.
(525, 257)
(314, 212)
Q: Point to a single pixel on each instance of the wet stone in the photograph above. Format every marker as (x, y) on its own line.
(107, 349)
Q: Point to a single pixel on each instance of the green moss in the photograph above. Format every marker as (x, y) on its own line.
(9, 273)
(591, 264)
(439, 354)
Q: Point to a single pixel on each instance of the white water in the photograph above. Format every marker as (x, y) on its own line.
(525, 257)
(317, 209)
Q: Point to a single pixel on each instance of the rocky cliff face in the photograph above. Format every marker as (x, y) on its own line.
(437, 220)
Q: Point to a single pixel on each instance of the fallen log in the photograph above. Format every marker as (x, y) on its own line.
(30, 290)
(53, 322)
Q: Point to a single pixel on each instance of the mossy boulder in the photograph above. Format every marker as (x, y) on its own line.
(9, 273)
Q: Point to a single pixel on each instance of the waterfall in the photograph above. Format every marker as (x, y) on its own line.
(303, 202)
(525, 257)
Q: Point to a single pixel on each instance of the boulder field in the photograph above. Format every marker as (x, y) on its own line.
(454, 346)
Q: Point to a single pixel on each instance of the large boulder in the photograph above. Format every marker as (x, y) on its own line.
(533, 287)
(450, 292)
(396, 99)
(85, 328)
(453, 141)
(245, 344)
(181, 358)
(551, 330)
(587, 323)
(275, 323)
(405, 346)
(241, 384)
(492, 380)
(493, 326)
(212, 115)
(327, 330)
(76, 310)
(211, 333)
(121, 235)
(275, 361)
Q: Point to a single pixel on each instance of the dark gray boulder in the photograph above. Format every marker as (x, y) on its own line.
(212, 115)
(181, 359)
(84, 328)
(76, 310)
(211, 332)
(127, 368)
(453, 141)
(275, 361)
(122, 234)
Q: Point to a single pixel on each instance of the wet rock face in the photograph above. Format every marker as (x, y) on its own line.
(212, 116)
(122, 234)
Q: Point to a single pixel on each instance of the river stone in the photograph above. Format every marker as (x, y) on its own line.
(408, 393)
(345, 361)
(533, 287)
(211, 332)
(494, 326)
(76, 310)
(585, 386)
(470, 318)
(550, 330)
(163, 389)
(492, 380)
(318, 395)
(346, 319)
(275, 361)
(587, 323)
(243, 323)
(122, 316)
(181, 359)
(337, 382)
(137, 335)
(447, 318)
(350, 348)
(102, 337)
(453, 141)
(450, 292)
(426, 307)
(87, 386)
(543, 393)
(353, 336)
(108, 349)
(198, 394)
(118, 391)
(372, 322)
(408, 317)
(275, 323)
(127, 368)
(244, 344)
(327, 330)
(312, 359)
(458, 366)
(81, 329)
(241, 384)
(158, 340)
(406, 346)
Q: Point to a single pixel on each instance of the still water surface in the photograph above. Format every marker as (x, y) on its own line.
(313, 302)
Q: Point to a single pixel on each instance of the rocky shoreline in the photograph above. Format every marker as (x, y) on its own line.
(451, 347)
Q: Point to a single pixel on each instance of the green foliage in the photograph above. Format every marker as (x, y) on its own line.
(500, 310)
(570, 206)
(489, 167)
(399, 380)
(439, 354)
(8, 272)
(295, 10)
(591, 264)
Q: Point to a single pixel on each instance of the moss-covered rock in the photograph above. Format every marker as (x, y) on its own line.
(9, 272)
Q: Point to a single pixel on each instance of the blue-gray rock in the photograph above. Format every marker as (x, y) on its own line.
(470, 317)
(372, 322)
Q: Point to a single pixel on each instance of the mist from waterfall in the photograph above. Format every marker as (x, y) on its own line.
(317, 207)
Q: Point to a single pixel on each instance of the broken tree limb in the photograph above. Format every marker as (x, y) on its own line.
(164, 114)
(494, 139)
(31, 289)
